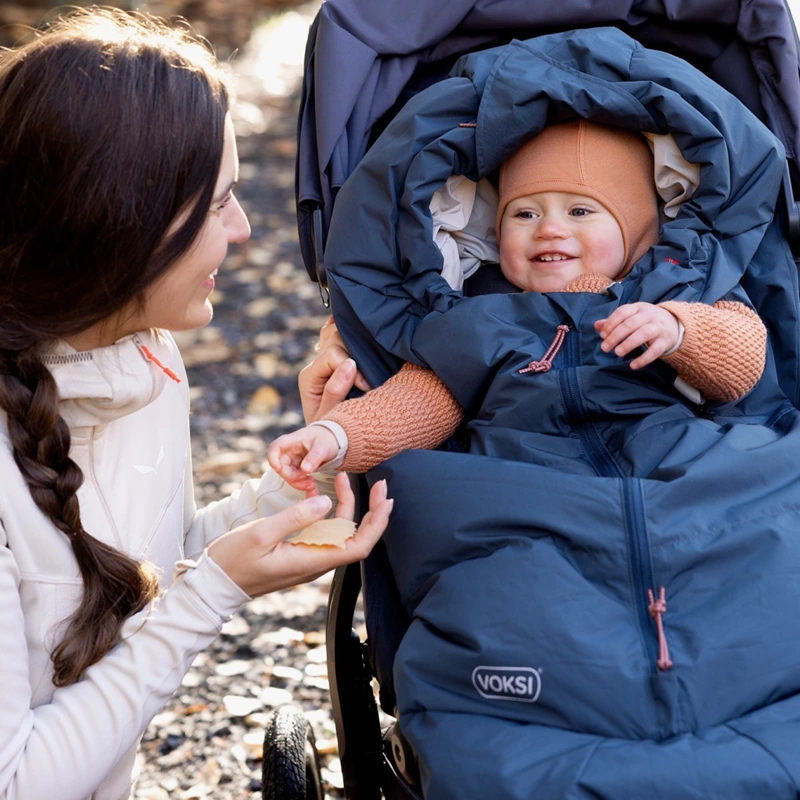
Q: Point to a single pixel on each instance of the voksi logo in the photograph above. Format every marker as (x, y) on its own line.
(523, 684)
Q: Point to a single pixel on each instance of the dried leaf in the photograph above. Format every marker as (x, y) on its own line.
(264, 401)
(326, 533)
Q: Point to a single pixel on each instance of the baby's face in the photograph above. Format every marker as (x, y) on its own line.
(549, 239)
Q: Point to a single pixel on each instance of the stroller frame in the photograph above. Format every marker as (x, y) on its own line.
(373, 761)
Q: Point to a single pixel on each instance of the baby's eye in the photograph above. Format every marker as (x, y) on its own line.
(581, 212)
(524, 213)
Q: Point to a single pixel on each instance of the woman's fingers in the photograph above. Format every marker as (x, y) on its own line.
(314, 379)
(337, 387)
(347, 501)
(245, 552)
(329, 334)
(278, 526)
(346, 506)
(326, 381)
(377, 518)
(257, 558)
(330, 338)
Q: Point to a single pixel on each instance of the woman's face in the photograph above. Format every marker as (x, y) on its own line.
(179, 299)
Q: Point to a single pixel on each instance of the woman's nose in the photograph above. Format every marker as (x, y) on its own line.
(238, 225)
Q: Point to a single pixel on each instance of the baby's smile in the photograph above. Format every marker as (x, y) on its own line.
(552, 257)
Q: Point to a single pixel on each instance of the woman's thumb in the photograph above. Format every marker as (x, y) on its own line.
(297, 517)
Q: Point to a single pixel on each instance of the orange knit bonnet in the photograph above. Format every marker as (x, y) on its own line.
(610, 165)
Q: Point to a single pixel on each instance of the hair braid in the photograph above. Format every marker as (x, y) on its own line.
(115, 585)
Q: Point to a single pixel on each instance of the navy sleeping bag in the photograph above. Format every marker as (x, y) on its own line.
(530, 668)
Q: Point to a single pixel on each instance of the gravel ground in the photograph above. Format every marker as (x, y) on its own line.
(243, 372)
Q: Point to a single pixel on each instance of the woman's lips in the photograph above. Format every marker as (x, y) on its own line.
(209, 282)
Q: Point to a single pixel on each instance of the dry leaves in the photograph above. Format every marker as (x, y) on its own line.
(326, 533)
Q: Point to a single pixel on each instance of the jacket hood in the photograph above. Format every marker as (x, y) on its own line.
(100, 385)
(386, 286)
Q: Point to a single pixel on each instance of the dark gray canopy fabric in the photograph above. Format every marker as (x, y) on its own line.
(366, 57)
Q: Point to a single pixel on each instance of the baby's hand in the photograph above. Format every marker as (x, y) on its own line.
(636, 325)
(296, 455)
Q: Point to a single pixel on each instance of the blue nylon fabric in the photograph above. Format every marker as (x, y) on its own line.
(552, 77)
(588, 485)
(749, 47)
(389, 40)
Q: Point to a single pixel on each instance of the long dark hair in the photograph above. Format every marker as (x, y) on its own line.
(111, 125)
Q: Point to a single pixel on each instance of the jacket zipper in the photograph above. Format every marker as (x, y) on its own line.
(633, 504)
(602, 463)
(641, 565)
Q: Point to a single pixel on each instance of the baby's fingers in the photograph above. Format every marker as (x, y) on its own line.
(617, 327)
(276, 452)
(298, 479)
(317, 455)
(655, 349)
(640, 337)
(290, 450)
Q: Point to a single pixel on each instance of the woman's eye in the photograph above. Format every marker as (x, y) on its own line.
(217, 209)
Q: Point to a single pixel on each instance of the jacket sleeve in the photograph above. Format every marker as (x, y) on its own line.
(65, 748)
(413, 409)
(723, 350)
(258, 497)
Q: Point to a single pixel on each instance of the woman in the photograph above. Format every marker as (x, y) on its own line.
(117, 167)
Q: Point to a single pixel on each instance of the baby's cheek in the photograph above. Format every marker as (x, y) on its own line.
(611, 255)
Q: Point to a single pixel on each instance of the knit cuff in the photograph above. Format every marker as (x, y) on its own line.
(724, 348)
(341, 439)
(679, 342)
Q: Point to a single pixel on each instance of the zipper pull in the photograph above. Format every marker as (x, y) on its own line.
(148, 354)
(657, 609)
(546, 361)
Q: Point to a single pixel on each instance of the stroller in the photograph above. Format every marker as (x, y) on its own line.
(614, 725)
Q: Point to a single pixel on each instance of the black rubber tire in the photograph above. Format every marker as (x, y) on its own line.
(290, 767)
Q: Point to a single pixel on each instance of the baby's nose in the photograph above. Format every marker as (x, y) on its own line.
(551, 227)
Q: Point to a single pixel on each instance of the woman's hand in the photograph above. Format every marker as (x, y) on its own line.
(256, 557)
(329, 377)
(637, 325)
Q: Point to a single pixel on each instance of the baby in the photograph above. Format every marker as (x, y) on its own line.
(577, 209)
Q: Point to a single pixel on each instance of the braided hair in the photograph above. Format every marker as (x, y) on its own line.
(113, 127)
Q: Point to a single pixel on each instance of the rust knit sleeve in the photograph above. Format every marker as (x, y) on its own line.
(723, 350)
(413, 409)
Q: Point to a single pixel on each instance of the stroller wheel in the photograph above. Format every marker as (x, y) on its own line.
(290, 768)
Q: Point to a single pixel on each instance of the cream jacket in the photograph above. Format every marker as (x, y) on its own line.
(130, 437)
